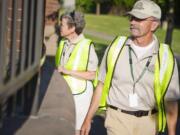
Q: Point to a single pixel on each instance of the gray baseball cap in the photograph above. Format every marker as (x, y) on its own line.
(143, 9)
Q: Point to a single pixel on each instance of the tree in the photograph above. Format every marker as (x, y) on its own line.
(170, 20)
(168, 7)
(98, 5)
(121, 6)
(84, 5)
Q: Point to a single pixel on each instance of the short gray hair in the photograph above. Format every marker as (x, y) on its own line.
(75, 18)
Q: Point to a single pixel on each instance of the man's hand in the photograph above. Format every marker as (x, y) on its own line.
(85, 129)
(172, 115)
(92, 109)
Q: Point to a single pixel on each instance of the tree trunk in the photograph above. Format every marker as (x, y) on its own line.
(170, 20)
(98, 8)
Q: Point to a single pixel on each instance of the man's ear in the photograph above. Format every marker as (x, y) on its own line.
(155, 25)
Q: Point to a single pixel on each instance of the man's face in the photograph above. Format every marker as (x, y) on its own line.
(65, 30)
(142, 27)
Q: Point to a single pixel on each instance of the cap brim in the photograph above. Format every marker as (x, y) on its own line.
(138, 14)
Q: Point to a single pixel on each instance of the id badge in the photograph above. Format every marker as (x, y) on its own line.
(133, 100)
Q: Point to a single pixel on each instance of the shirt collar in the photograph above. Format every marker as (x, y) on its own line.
(76, 40)
(151, 52)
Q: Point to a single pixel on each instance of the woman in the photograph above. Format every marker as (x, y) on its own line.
(77, 61)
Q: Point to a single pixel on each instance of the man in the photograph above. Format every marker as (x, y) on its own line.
(138, 77)
(77, 61)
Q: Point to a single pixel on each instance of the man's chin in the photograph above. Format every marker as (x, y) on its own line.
(62, 35)
(134, 36)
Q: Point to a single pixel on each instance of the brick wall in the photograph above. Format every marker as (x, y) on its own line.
(51, 6)
(18, 23)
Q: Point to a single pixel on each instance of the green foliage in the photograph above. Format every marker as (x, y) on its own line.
(85, 5)
(129, 3)
(117, 2)
(100, 1)
(119, 7)
(162, 1)
(125, 3)
(61, 1)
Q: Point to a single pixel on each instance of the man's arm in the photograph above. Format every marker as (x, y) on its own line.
(172, 115)
(172, 96)
(92, 109)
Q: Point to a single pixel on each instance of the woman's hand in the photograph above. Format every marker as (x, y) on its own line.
(62, 70)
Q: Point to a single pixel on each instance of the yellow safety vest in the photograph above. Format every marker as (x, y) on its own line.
(77, 61)
(164, 67)
(163, 72)
(111, 59)
(95, 81)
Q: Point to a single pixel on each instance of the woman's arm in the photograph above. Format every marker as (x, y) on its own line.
(87, 75)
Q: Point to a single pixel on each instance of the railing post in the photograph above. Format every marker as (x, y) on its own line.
(3, 21)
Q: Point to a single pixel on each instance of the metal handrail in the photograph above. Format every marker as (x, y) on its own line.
(21, 41)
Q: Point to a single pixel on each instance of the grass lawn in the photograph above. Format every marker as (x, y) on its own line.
(115, 25)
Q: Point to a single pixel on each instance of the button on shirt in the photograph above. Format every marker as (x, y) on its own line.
(122, 82)
(68, 48)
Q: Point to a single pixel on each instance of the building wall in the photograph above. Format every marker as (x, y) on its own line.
(51, 6)
(69, 4)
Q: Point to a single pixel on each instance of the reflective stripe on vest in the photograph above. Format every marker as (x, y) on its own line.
(163, 72)
(95, 81)
(77, 61)
(59, 53)
(164, 67)
(111, 59)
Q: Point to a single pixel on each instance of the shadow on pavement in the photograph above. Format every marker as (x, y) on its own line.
(46, 75)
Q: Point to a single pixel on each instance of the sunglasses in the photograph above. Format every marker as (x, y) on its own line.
(72, 15)
(133, 18)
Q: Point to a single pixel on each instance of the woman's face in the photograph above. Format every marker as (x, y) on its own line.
(65, 30)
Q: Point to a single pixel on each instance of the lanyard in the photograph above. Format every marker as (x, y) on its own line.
(131, 67)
